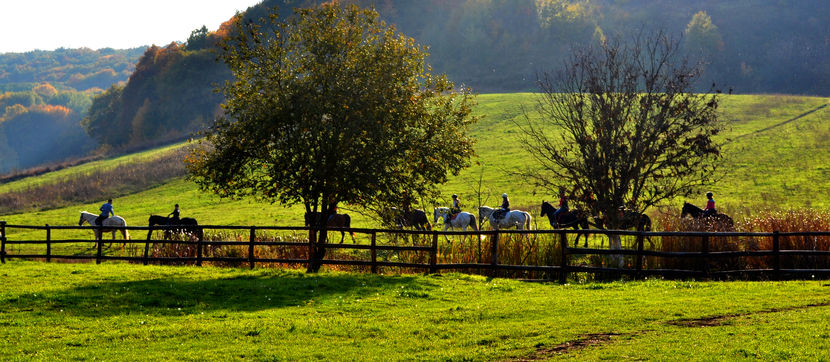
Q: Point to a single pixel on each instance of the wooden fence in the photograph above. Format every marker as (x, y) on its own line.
(705, 257)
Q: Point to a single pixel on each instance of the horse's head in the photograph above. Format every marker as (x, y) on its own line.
(689, 209)
(546, 208)
(484, 212)
(83, 218)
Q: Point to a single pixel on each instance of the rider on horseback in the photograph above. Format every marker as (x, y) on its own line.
(455, 208)
(505, 207)
(563, 205)
(709, 210)
(175, 219)
(106, 211)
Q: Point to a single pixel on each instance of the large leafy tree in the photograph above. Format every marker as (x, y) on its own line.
(332, 106)
(622, 127)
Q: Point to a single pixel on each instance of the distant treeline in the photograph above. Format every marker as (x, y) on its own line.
(79, 69)
(490, 45)
(42, 125)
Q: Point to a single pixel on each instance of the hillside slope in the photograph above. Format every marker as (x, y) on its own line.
(773, 159)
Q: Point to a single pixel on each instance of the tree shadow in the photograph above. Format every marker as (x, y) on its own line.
(178, 296)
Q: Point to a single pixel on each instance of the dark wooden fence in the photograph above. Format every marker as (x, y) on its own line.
(704, 257)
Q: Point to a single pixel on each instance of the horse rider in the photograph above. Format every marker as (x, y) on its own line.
(175, 219)
(563, 205)
(406, 202)
(505, 207)
(455, 208)
(709, 210)
(106, 211)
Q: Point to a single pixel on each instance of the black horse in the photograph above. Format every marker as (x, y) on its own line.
(187, 225)
(340, 221)
(414, 218)
(572, 218)
(630, 219)
(697, 213)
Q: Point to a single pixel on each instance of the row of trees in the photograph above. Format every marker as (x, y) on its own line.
(41, 125)
(335, 106)
(78, 69)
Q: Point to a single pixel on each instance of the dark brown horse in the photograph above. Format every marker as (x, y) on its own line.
(187, 225)
(407, 218)
(697, 213)
(575, 219)
(334, 221)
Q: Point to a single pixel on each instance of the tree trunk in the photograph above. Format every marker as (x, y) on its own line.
(614, 243)
(319, 252)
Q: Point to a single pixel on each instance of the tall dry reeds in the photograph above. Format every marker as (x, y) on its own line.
(802, 220)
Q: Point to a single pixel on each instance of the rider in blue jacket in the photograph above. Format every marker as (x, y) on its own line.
(106, 211)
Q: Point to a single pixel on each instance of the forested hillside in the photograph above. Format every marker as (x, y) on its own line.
(45, 94)
(489, 45)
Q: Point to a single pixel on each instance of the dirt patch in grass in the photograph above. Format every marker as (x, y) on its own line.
(585, 341)
(596, 339)
(718, 320)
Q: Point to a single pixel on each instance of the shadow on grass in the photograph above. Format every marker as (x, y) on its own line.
(177, 296)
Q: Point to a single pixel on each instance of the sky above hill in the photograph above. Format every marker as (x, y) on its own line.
(27, 25)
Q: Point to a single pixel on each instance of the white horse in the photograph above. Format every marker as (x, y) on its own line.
(461, 221)
(517, 218)
(116, 221)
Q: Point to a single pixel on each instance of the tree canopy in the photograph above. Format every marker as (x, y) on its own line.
(331, 106)
(621, 126)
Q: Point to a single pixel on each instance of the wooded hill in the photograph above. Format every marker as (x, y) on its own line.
(489, 45)
(45, 94)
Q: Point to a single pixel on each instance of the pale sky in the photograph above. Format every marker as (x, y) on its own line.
(27, 25)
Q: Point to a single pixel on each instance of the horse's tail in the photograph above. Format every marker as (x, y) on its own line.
(527, 220)
(473, 222)
(125, 232)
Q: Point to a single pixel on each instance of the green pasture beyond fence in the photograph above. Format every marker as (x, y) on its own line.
(699, 259)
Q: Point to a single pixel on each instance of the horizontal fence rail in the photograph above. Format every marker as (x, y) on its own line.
(702, 259)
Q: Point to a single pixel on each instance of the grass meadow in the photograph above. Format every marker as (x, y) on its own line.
(62, 311)
(776, 165)
(771, 162)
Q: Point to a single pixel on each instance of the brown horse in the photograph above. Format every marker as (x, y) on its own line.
(335, 221)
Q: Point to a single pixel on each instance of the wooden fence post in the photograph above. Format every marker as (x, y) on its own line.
(776, 255)
(494, 253)
(638, 258)
(563, 263)
(48, 244)
(3, 242)
(312, 236)
(374, 253)
(251, 240)
(100, 245)
(147, 245)
(433, 254)
(198, 248)
(705, 251)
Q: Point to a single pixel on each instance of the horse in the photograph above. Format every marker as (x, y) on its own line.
(109, 224)
(462, 220)
(188, 225)
(630, 219)
(519, 219)
(341, 221)
(697, 213)
(572, 218)
(416, 218)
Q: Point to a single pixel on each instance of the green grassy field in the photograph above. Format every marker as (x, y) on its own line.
(782, 167)
(52, 311)
(122, 311)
